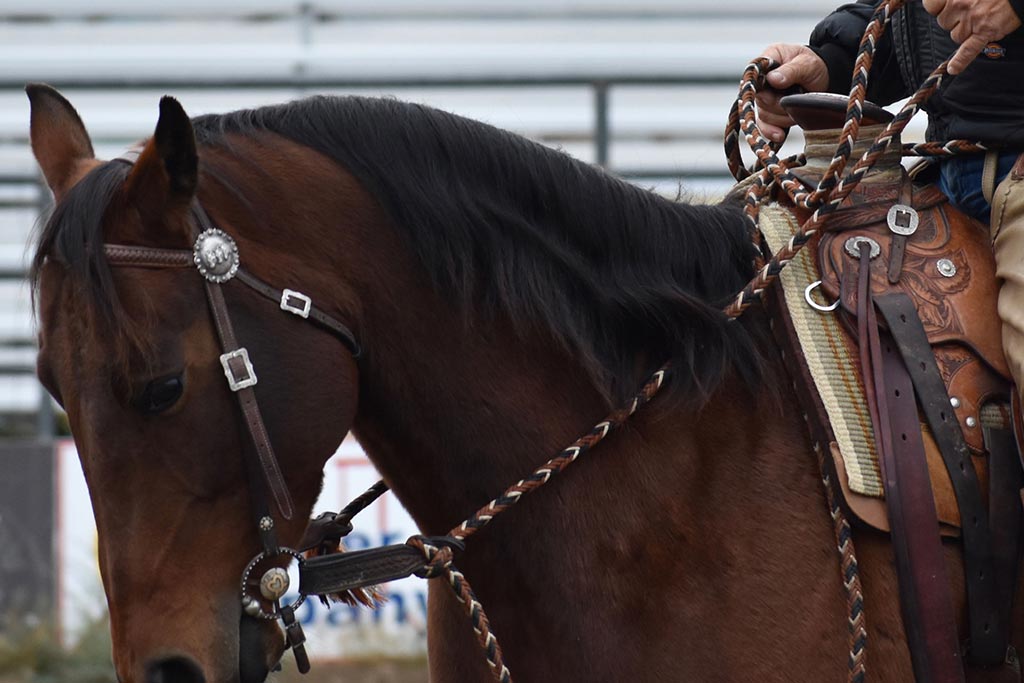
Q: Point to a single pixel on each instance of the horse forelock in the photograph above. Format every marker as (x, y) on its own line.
(72, 237)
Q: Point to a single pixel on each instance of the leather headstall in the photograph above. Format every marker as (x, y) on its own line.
(215, 255)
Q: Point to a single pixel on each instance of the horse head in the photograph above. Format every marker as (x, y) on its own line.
(131, 352)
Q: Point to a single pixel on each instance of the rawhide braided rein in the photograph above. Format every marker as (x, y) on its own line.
(770, 271)
(856, 623)
(743, 117)
(439, 556)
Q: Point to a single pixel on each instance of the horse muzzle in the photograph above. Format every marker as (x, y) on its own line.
(174, 670)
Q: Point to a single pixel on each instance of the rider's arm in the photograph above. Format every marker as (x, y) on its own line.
(836, 39)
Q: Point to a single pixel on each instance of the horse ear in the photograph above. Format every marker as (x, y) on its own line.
(59, 139)
(164, 178)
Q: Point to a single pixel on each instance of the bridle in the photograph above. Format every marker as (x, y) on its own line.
(215, 255)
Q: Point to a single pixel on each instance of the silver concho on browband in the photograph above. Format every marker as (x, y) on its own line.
(216, 255)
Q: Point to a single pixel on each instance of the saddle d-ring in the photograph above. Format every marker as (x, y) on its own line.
(814, 304)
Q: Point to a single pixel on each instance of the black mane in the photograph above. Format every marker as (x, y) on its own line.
(612, 271)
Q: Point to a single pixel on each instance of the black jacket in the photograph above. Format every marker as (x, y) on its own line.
(984, 103)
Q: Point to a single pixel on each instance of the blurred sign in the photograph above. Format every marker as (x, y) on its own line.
(397, 628)
(26, 531)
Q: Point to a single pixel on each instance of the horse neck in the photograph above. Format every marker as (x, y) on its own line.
(452, 410)
(453, 406)
(706, 509)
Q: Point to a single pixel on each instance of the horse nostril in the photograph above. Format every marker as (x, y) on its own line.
(174, 670)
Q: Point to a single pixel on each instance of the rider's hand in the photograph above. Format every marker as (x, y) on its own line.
(974, 24)
(800, 66)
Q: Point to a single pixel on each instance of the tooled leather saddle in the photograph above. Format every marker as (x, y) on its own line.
(914, 321)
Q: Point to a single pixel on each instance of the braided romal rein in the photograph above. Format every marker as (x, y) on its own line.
(773, 174)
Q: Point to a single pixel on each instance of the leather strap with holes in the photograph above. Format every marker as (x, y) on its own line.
(250, 409)
(925, 598)
(315, 314)
(988, 637)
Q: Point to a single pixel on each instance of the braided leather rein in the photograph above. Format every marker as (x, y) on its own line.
(433, 557)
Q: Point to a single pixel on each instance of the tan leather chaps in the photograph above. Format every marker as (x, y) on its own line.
(1008, 245)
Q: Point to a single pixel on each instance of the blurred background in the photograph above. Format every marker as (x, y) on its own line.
(641, 87)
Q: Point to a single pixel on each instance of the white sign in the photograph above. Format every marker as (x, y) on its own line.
(397, 628)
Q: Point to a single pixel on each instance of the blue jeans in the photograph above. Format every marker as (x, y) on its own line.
(960, 180)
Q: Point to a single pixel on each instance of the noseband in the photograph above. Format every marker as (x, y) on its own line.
(215, 255)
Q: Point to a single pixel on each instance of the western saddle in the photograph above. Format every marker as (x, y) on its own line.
(890, 315)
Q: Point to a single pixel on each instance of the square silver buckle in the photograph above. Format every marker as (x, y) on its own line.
(240, 374)
(296, 302)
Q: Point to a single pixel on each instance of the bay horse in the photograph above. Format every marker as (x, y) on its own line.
(505, 297)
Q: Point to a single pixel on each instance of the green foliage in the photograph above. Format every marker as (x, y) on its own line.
(33, 655)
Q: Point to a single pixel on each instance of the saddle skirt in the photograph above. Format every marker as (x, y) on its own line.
(948, 271)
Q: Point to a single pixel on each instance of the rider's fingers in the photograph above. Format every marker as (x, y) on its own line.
(934, 7)
(774, 123)
(769, 99)
(772, 132)
(768, 104)
(970, 49)
(961, 32)
(796, 71)
(948, 20)
(805, 69)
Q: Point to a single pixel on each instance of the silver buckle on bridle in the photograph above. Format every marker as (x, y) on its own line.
(296, 302)
(237, 382)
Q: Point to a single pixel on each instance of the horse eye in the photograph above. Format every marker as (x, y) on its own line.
(160, 394)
